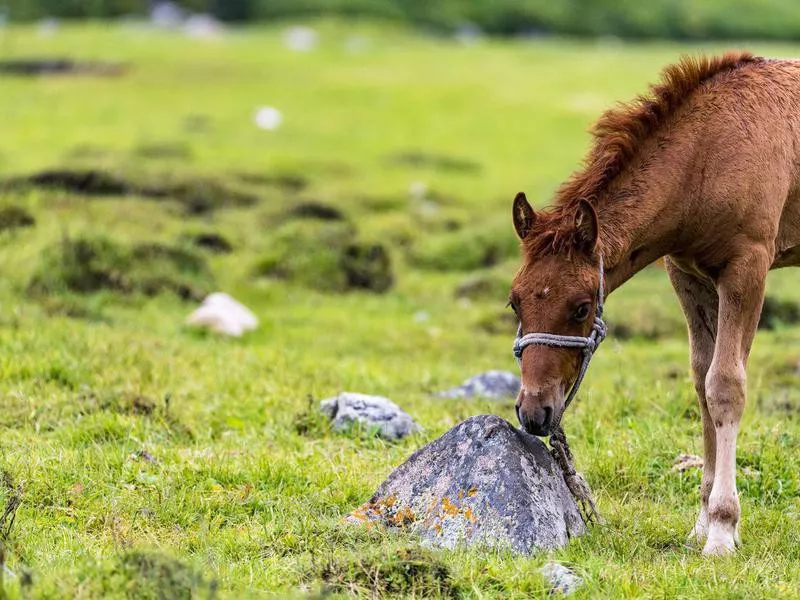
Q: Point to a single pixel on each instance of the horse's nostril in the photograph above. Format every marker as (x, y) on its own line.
(548, 416)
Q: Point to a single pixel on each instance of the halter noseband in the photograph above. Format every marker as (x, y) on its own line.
(588, 344)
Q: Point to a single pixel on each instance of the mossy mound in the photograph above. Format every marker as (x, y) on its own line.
(91, 264)
(15, 217)
(776, 313)
(484, 285)
(327, 256)
(195, 195)
(466, 250)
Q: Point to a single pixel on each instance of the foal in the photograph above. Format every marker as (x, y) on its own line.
(705, 171)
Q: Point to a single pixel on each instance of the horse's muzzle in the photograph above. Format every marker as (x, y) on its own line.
(539, 421)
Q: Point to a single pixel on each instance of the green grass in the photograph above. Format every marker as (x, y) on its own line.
(237, 498)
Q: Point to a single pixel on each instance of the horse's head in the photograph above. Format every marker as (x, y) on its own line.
(554, 292)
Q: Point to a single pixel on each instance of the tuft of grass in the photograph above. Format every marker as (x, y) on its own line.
(409, 572)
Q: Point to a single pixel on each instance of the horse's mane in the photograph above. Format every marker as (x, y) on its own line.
(618, 133)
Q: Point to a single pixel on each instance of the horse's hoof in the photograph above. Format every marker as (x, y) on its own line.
(720, 546)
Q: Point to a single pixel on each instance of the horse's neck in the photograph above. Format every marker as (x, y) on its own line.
(638, 224)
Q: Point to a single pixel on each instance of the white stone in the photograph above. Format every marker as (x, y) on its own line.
(202, 27)
(418, 190)
(269, 118)
(166, 14)
(560, 578)
(300, 39)
(47, 27)
(222, 314)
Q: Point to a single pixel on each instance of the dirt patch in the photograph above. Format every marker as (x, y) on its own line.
(163, 152)
(197, 196)
(440, 162)
(123, 404)
(215, 243)
(15, 217)
(776, 313)
(408, 572)
(86, 183)
(288, 182)
(31, 67)
(315, 210)
(327, 256)
(87, 265)
(367, 267)
(136, 405)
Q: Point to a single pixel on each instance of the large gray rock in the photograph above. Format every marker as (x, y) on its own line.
(482, 483)
(499, 385)
(347, 408)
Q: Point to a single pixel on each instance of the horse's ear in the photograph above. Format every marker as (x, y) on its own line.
(524, 216)
(586, 227)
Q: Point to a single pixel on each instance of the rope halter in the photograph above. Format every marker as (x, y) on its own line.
(588, 345)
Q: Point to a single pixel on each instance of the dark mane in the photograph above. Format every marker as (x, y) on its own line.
(618, 133)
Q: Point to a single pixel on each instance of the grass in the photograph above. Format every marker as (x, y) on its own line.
(152, 460)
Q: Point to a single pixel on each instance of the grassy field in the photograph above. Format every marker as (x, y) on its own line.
(152, 460)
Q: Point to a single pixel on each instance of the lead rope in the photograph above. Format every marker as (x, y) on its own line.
(576, 483)
(559, 447)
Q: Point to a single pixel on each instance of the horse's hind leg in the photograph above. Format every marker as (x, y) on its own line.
(699, 300)
(741, 293)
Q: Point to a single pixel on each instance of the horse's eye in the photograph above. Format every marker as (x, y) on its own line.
(513, 307)
(582, 312)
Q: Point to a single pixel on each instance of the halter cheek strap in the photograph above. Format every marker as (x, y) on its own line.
(588, 345)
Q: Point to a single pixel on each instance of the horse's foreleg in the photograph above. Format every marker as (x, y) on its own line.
(741, 292)
(699, 300)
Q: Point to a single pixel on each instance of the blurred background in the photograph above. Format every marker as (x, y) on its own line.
(344, 169)
(678, 19)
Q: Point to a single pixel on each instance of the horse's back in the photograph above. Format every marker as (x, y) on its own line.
(749, 149)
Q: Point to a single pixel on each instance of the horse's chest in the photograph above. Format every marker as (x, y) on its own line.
(787, 244)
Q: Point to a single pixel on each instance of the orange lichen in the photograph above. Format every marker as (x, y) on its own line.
(404, 517)
(448, 507)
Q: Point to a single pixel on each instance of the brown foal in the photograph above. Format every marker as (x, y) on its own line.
(705, 171)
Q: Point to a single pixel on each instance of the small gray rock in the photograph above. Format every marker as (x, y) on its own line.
(561, 579)
(482, 483)
(392, 421)
(498, 385)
